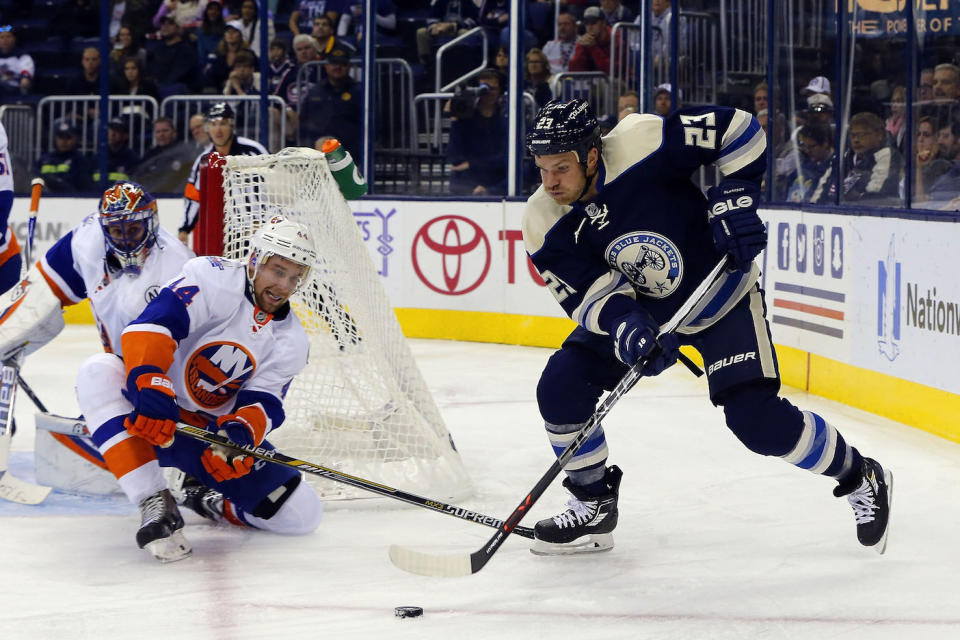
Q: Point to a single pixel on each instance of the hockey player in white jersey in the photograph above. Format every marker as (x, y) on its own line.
(10, 261)
(623, 237)
(217, 347)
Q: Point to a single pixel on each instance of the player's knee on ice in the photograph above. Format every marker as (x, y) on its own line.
(762, 421)
(300, 513)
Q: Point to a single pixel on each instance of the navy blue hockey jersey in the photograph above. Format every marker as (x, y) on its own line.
(646, 235)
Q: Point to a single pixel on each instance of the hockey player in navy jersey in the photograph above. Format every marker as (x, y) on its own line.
(622, 237)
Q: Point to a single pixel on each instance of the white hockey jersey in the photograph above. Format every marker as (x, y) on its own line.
(76, 268)
(223, 354)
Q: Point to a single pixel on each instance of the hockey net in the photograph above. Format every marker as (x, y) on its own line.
(361, 405)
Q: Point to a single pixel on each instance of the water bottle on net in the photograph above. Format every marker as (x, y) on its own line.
(344, 169)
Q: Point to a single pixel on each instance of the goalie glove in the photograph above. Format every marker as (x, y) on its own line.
(155, 411)
(225, 463)
(737, 229)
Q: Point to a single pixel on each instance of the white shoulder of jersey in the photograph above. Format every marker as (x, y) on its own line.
(540, 215)
(252, 143)
(631, 141)
(171, 245)
(6, 177)
(3, 139)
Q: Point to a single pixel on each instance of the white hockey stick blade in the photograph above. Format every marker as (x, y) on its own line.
(424, 564)
(16, 490)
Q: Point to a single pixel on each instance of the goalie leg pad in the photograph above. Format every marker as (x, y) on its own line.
(30, 313)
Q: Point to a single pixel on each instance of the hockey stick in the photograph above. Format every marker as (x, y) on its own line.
(449, 566)
(12, 488)
(36, 189)
(75, 427)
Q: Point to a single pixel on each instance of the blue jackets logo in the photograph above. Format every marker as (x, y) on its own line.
(650, 261)
(888, 304)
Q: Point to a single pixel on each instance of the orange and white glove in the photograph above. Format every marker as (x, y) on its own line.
(226, 463)
(155, 411)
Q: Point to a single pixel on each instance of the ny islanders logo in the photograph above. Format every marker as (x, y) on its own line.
(650, 261)
(216, 371)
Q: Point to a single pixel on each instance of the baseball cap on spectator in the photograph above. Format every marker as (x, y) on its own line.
(817, 85)
(592, 14)
(663, 88)
(338, 56)
(64, 129)
(235, 24)
(117, 124)
(819, 102)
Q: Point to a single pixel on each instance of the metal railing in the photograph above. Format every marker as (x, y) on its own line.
(246, 119)
(83, 113)
(743, 37)
(595, 86)
(460, 40)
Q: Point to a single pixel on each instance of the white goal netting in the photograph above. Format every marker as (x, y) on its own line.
(360, 406)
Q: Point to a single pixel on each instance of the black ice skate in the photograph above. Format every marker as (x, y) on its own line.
(585, 526)
(871, 502)
(161, 528)
(201, 499)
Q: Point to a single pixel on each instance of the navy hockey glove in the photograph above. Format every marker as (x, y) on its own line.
(155, 411)
(224, 463)
(737, 229)
(634, 336)
(663, 356)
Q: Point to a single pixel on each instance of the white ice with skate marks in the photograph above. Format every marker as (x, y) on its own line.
(713, 542)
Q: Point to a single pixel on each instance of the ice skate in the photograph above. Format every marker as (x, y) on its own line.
(585, 526)
(201, 499)
(871, 502)
(161, 528)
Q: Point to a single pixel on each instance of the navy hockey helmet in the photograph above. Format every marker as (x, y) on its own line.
(129, 220)
(219, 110)
(562, 126)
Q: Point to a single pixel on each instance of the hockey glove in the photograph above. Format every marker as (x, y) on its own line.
(662, 356)
(634, 336)
(737, 229)
(225, 463)
(155, 411)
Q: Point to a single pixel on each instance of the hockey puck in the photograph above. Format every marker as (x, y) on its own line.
(408, 612)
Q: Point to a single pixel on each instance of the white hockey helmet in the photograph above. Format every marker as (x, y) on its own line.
(285, 238)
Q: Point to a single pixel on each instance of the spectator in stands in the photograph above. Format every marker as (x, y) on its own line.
(928, 164)
(217, 69)
(125, 46)
(350, 26)
(871, 166)
(593, 47)
(173, 60)
(243, 80)
(250, 25)
(627, 103)
(537, 77)
(333, 107)
(301, 19)
(188, 14)
(198, 132)
(660, 15)
(760, 93)
(16, 67)
(211, 30)
(121, 160)
(133, 83)
(614, 12)
(88, 82)
(280, 63)
(925, 90)
(501, 62)
(305, 50)
(327, 41)
(448, 18)
(65, 169)
(495, 14)
(560, 50)
(946, 87)
(663, 100)
(478, 141)
(809, 179)
(165, 165)
(947, 186)
(948, 138)
(818, 85)
(897, 120)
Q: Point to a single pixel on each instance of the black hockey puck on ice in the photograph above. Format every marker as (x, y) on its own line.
(408, 612)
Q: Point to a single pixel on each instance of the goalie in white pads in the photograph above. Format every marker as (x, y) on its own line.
(218, 347)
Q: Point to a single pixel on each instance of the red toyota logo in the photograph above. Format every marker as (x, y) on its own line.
(442, 255)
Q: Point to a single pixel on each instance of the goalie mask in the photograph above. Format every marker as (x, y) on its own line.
(284, 238)
(129, 221)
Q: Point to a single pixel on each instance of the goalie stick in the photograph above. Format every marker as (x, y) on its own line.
(451, 566)
(75, 427)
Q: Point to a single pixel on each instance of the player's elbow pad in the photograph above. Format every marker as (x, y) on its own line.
(31, 315)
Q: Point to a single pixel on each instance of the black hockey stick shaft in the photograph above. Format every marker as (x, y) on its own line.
(276, 457)
(479, 558)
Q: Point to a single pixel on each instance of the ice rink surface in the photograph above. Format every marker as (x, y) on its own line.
(713, 541)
